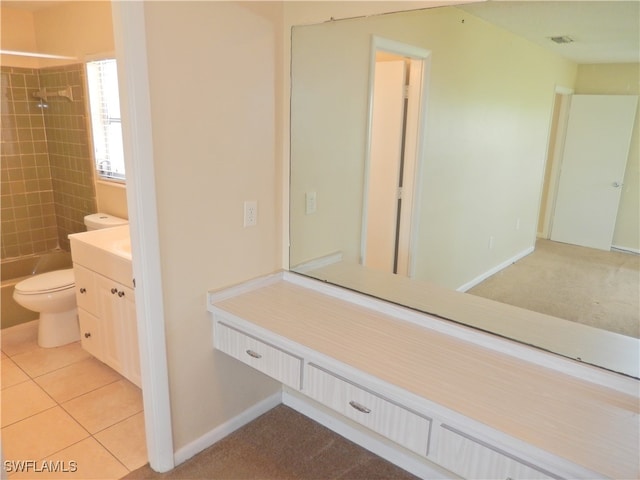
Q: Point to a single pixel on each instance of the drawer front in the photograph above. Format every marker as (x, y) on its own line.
(473, 458)
(266, 358)
(394, 422)
(86, 289)
(90, 336)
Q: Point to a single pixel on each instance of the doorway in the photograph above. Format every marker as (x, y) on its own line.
(398, 78)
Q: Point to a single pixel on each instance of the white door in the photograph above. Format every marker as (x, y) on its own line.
(595, 157)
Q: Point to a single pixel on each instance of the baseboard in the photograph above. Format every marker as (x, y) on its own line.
(185, 453)
(619, 248)
(481, 278)
(406, 460)
(318, 263)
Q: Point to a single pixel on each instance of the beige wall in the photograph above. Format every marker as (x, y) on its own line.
(17, 33)
(620, 79)
(489, 104)
(214, 121)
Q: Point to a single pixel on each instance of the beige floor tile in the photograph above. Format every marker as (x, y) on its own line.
(77, 379)
(126, 441)
(23, 400)
(10, 373)
(44, 360)
(20, 338)
(86, 460)
(105, 406)
(41, 435)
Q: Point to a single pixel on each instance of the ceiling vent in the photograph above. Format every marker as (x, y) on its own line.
(562, 39)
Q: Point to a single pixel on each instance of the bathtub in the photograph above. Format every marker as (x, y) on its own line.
(13, 270)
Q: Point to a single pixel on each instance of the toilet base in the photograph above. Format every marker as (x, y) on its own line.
(57, 329)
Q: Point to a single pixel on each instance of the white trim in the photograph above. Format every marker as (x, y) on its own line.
(619, 248)
(501, 266)
(404, 49)
(205, 441)
(131, 54)
(385, 449)
(318, 263)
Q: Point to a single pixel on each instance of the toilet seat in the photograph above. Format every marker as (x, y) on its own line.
(48, 282)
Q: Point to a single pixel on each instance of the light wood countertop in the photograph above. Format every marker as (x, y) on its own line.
(587, 424)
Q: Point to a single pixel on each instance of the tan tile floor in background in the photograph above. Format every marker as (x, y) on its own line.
(61, 405)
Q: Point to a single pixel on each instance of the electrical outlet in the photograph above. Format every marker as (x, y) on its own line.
(250, 213)
(310, 202)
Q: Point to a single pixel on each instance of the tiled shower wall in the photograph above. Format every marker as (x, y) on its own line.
(47, 170)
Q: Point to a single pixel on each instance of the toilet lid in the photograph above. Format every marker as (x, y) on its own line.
(47, 282)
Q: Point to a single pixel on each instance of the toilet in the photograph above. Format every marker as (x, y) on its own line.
(52, 294)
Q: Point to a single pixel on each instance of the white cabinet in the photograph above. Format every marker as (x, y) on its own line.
(108, 328)
(470, 457)
(393, 421)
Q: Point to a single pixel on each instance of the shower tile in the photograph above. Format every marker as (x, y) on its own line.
(105, 406)
(22, 401)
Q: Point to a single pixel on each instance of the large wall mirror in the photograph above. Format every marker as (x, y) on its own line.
(486, 151)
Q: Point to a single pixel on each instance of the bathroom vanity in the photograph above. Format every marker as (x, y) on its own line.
(105, 298)
(437, 398)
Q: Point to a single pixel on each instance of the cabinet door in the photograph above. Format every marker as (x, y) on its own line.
(472, 458)
(393, 421)
(86, 289)
(111, 307)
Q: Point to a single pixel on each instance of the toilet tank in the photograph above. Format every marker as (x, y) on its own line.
(97, 221)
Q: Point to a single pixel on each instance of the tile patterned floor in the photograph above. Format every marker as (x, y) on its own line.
(64, 410)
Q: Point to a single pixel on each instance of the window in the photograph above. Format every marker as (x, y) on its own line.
(104, 102)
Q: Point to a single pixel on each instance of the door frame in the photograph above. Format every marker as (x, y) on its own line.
(554, 158)
(381, 44)
(133, 82)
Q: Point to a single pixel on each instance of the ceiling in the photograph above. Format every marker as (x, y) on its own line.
(603, 31)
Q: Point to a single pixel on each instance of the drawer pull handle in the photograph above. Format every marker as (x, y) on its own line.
(359, 407)
(114, 291)
(87, 335)
(121, 293)
(83, 290)
(253, 354)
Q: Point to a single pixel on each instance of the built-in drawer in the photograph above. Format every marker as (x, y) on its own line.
(86, 289)
(383, 416)
(270, 360)
(473, 458)
(90, 336)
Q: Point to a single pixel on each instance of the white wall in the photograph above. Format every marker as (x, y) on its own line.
(213, 68)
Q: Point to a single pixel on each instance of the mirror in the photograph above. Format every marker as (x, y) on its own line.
(485, 186)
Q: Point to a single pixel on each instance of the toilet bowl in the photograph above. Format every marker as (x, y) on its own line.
(52, 294)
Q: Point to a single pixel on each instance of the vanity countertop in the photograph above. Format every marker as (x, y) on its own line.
(583, 422)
